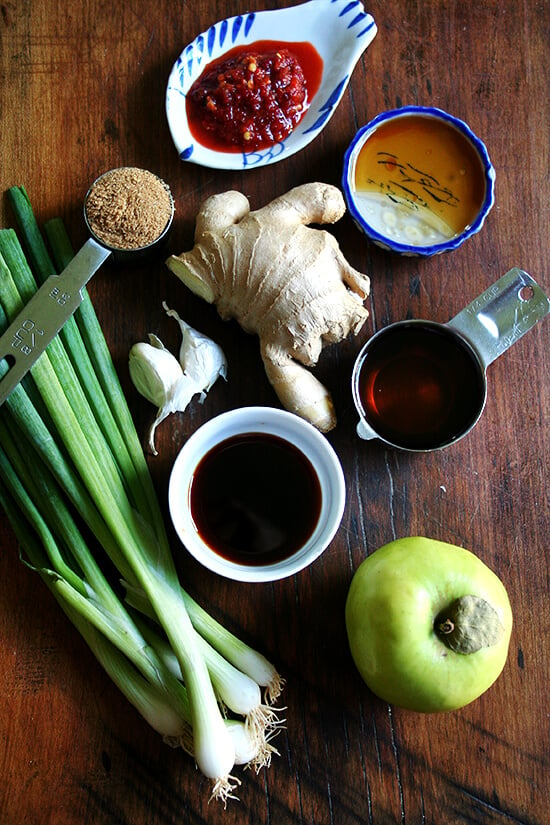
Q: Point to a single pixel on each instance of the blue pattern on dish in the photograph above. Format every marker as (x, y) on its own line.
(326, 109)
(333, 27)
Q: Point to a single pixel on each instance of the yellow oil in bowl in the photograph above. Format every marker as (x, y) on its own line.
(418, 180)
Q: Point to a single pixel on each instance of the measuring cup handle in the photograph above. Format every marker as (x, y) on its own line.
(502, 314)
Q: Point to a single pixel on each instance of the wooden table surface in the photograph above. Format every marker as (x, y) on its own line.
(82, 91)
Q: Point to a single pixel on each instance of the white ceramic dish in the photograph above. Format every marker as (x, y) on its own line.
(258, 420)
(397, 241)
(339, 30)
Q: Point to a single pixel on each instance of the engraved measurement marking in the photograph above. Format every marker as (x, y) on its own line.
(59, 297)
(481, 301)
(24, 338)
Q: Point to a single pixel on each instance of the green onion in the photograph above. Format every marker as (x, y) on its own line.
(36, 249)
(70, 422)
(132, 664)
(58, 241)
(241, 655)
(126, 448)
(145, 555)
(70, 569)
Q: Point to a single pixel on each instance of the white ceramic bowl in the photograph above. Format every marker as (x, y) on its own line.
(297, 432)
(395, 239)
(339, 30)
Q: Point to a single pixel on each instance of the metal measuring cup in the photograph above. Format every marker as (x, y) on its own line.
(57, 299)
(421, 385)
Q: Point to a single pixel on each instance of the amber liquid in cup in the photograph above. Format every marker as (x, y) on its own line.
(420, 385)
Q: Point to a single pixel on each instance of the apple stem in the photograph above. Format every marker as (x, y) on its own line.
(446, 626)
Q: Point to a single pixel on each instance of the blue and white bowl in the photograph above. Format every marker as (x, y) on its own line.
(395, 238)
(340, 31)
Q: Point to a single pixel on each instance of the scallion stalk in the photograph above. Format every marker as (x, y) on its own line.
(134, 665)
(241, 655)
(59, 243)
(71, 414)
(74, 574)
(152, 694)
(82, 378)
(37, 252)
(231, 647)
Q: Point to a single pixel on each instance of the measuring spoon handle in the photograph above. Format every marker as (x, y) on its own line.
(42, 317)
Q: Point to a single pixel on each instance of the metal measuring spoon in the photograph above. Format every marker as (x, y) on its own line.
(57, 299)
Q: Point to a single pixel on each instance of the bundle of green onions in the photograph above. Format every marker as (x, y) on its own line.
(77, 490)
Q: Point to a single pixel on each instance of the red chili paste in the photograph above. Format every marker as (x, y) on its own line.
(254, 96)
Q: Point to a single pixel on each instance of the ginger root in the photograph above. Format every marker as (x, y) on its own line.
(282, 280)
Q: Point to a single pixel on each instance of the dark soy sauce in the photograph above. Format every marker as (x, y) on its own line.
(420, 386)
(255, 499)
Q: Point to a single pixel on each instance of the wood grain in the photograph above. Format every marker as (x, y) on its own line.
(82, 90)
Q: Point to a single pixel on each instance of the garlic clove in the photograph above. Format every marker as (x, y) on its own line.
(200, 357)
(154, 371)
(176, 401)
(171, 384)
(157, 375)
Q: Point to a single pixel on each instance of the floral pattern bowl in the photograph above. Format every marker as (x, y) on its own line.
(339, 30)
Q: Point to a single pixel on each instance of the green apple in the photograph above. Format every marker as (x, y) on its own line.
(428, 624)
